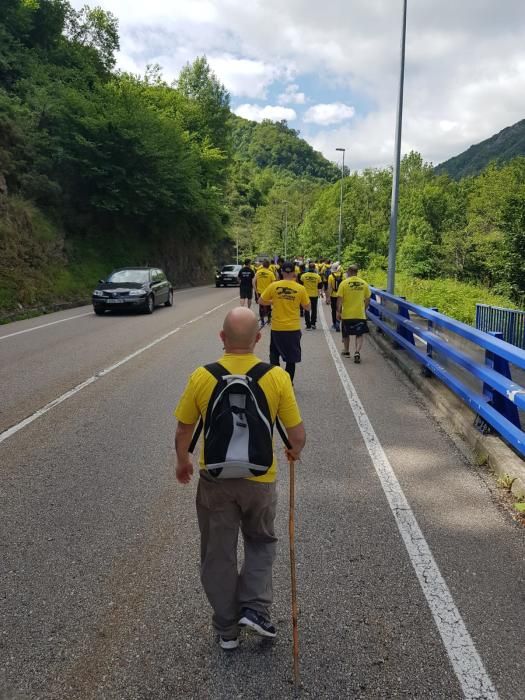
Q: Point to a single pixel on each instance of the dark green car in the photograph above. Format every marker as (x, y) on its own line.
(133, 288)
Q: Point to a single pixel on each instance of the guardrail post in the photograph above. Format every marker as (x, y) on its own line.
(430, 325)
(500, 402)
(404, 332)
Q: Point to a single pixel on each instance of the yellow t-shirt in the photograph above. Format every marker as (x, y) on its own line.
(263, 278)
(354, 291)
(311, 282)
(275, 269)
(287, 297)
(332, 282)
(276, 385)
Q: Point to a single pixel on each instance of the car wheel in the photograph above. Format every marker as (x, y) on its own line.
(98, 311)
(169, 302)
(149, 305)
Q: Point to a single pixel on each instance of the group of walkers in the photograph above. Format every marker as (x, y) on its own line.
(347, 294)
(236, 402)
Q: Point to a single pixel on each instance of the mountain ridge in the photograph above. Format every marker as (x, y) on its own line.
(501, 147)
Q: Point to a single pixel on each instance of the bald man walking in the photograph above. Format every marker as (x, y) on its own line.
(227, 505)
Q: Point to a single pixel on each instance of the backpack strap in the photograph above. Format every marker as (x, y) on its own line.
(217, 371)
(256, 373)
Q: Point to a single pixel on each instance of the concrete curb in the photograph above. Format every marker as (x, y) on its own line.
(487, 450)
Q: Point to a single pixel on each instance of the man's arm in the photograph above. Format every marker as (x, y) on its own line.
(305, 301)
(339, 307)
(184, 468)
(297, 438)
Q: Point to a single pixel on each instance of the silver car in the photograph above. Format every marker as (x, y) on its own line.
(229, 274)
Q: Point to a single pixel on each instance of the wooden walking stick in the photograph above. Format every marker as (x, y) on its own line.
(291, 530)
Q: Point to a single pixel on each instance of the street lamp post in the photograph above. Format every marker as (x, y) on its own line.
(397, 159)
(285, 229)
(341, 205)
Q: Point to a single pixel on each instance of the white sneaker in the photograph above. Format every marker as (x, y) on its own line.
(228, 644)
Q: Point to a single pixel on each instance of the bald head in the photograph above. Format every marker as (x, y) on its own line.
(240, 330)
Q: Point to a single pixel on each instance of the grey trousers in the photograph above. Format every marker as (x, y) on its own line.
(224, 507)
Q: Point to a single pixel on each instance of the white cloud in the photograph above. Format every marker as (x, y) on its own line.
(244, 77)
(291, 95)
(327, 114)
(257, 114)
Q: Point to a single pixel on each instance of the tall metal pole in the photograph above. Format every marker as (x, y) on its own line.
(286, 230)
(341, 206)
(397, 159)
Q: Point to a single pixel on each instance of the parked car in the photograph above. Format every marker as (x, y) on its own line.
(229, 274)
(138, 288)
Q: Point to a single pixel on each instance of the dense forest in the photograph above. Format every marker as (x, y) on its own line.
(100, 168)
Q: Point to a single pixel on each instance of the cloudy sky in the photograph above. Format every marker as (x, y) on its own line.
(331, 68)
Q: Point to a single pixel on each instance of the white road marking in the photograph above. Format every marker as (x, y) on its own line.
(68, 394)
(44, 325)
(467, 664)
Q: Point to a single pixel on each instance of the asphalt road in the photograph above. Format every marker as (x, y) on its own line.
(99, 585)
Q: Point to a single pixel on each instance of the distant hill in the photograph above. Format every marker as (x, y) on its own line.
(275, 145)
(502, 147)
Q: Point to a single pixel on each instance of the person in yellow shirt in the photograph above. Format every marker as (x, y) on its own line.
(263, 278)
(325, 272)
(353, 299)
(313, 283)
(334, 280)
(225, 506)
(286, 297)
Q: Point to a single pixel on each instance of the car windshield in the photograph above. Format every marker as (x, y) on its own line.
(129, 276)
(229, 268)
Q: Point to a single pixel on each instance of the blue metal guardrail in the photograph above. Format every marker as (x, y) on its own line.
(498, 403)
(509, 322)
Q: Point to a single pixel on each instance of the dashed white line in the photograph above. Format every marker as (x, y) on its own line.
(468, 666)
(44, 325)
(87, 382)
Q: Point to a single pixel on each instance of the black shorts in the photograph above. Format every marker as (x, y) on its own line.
(325, 285)
(353, 326)
(286, 344)
(246, 292)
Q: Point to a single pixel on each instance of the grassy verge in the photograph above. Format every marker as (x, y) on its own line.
(453, 298)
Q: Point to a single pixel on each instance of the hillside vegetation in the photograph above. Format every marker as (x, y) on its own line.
(500, 148)
(101, 169)
(472, 231)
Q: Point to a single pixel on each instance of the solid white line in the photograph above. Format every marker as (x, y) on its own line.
(44, 325)
(68, 394)
(467, 664)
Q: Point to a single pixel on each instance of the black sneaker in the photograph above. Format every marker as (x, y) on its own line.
(357, 358)
(255, 621)
(313, 326)
(345, 354)
(229, 644)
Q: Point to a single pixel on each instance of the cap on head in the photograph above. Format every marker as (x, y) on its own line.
(288, 267)
(336, 267)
